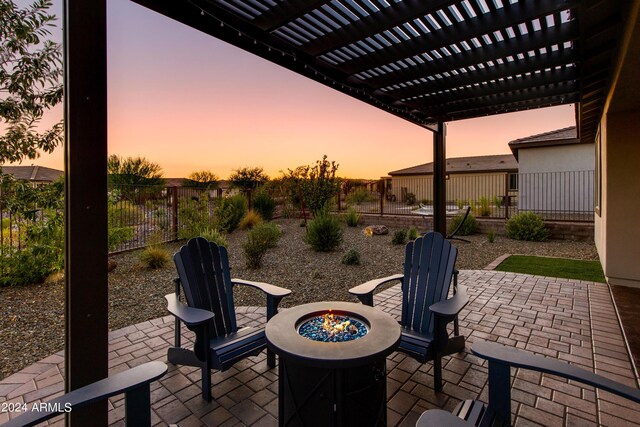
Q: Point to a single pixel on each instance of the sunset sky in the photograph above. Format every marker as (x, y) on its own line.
(188, 101)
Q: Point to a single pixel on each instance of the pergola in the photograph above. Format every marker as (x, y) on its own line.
(427, 62)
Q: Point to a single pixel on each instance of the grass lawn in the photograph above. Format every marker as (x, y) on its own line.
(554, 267)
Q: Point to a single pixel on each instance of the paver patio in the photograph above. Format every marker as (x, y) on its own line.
(570, 320)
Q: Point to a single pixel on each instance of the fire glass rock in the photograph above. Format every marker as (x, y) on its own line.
(332, 328)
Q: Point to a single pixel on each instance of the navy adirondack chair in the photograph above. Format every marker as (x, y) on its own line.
(429, 268)
(134, 383)
(204, 276)
(498, 411)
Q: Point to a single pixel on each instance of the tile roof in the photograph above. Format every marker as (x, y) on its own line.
(33, 173)
(564, 136)
(493, 163)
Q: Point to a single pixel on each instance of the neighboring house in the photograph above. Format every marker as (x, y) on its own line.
(468, 178)
(223, 188)
(37, 175)
(556, 172)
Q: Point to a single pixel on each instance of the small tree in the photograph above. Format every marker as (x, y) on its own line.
(314, 186)
(204, 179)
(30, 71)
(247, 180)
(132, 172)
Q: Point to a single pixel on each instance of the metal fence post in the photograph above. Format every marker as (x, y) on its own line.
(174, 211)
(382, 196)
(506, 196)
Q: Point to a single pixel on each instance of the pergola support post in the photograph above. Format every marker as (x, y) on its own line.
(85, 114)
(439, 180)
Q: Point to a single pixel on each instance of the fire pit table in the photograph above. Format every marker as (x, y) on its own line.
(332, 365)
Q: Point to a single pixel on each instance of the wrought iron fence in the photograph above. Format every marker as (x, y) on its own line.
(558, 196)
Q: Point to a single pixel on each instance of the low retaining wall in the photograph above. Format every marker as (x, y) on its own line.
(561, 230)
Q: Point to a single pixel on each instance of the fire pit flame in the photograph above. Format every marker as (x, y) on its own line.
(332, 327)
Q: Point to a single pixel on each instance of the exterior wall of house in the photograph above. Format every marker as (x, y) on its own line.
(557, 178)
(465, 187)
(617, 234)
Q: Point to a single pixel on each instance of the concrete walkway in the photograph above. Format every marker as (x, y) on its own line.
(565, 319)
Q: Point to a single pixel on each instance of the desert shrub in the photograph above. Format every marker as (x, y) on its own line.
(259, 240)
(193, 215)
(425, 202)
(352, 217)
(399, 237)
(483, 208)
(527, 226)
(470, 226)
(265, 205)
(154, 257)
(352, 257)
(360, 195)
(22, 267)
(123, 213)
(288, 210)
(491, 235)
(497, 202)
(459, 204)
(118, 235)
(267, 233)
(214, 235)
(411, 199)
(250, 220)
(324, 233)
(229, 211)
(412, 234)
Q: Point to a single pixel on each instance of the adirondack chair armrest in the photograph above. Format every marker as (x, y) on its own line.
(441, 418)
(512, 357)
(364, 291)
(133, 382)
(275, 291)
(450, 308)
(189, 315)
(274, 296)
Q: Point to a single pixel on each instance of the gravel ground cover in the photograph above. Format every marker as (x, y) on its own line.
(31, 317)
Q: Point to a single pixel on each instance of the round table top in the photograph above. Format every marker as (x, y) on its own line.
(381, 340)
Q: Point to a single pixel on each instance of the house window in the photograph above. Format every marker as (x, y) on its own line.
(513, 182)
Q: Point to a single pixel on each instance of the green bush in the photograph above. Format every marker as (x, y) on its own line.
(483, 208)
(250, 220)
(352, 257)
(267, 233)
(470, 226)
(352, 217)
(265, 205)
(214, 235)
(411, 199)
(123, 213)
(324, 233)
(193, 216)
(412, 234)
(229, 211)
(491, 235)
(497, 202)
(459, 204)
(360, 195)
(527, 226)
(259, 240)
(154, 257)
(22, 267)
(118, 236)
(399, 237)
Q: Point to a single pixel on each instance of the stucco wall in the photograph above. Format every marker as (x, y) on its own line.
(618, 232)
(559, 158)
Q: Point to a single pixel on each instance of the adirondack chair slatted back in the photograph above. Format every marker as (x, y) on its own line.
(203, 268)
(428, 268)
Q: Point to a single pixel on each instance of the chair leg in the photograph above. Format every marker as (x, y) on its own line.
(206, 382)
(437, 373)
(271, 359)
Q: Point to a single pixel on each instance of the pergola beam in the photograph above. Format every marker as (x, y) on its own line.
(498, 20)
(285, 12)
(551, 60)
(493, 52)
